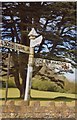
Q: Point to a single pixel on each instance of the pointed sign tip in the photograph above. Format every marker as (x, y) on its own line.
(33, 32)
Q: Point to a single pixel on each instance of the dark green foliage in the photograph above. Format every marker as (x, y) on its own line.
(46, 86)
(3, 83)
(58, 26)
(11, 83)
(71, 87)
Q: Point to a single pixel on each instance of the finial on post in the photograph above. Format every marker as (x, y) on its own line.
(32, 34)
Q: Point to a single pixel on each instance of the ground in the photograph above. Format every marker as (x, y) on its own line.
(13, 94)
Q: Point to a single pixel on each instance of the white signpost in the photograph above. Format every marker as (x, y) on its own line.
(25, 49)
(33, 42)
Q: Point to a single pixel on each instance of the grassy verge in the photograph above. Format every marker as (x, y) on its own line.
(14, 93)
(44, 97)
(51, 95)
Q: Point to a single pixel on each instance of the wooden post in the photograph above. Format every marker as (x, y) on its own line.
(29, 74)
(33, 42)
(8, 67)
(32, 35)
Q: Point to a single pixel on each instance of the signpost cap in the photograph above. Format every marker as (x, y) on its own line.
(33, 33)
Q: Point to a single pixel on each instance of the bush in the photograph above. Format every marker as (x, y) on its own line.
(11, 83)
(3, 84)
(71, 87)
(46, 86)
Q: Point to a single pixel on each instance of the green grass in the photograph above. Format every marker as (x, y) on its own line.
(51, 95)
(44, 97)
(12, 93)
(35, 94)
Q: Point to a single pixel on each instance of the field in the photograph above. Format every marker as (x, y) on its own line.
(51, 95)
(13, 93)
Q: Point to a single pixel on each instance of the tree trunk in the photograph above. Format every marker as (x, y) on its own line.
(16, 72)
(23, 61)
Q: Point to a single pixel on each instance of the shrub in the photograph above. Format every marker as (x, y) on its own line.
(3, 84)
(11, 83)
(71, 87)
(45, 86)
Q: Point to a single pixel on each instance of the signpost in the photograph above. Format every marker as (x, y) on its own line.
(14, 46)
(25, 49)
(33, 42)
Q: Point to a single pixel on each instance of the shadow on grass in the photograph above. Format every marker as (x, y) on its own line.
(67, 99)
(55, 99)
(16, 98)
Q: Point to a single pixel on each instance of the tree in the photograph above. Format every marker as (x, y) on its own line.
(54, 20)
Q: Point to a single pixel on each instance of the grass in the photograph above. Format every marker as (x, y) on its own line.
(14, 93)
(51, 95)
(44, 97)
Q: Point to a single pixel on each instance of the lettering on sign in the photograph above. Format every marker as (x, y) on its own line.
(15, 46)
(41, 62)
